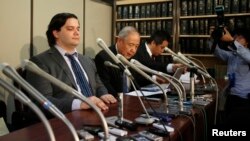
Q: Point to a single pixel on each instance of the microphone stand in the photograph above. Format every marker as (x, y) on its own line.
(12, 73)
(179, 88)
(121, 122)
(192, 81)
(25, 100)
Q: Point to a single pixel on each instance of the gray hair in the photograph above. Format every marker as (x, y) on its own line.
(126, 31)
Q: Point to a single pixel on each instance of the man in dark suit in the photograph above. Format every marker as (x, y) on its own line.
(148, 52)
(127, 43)
(63, 37)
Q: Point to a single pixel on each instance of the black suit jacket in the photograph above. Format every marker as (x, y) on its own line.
(111, 77)
(52, 62)
(143, 57)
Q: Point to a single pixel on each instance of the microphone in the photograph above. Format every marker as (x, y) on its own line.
(25, 100)
(181, 92)
(176, 59)
(184, 58)
(125, 61)
(35, 69)
(170, 51)
(147, 119)
(12, 73)
(103, 45)
(109, 64)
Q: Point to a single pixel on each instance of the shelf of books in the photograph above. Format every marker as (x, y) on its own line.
(144, 15)
(197, 19)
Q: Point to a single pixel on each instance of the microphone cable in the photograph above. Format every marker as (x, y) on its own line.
(135, 85)
(202, 110)
(193, 124)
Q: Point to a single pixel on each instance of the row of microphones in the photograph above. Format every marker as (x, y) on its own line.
(26, 101)
(30, 66)
(179, 57)
(192, 65)
(172, 80)
(158, 73)
(12, 73)
(125, 61)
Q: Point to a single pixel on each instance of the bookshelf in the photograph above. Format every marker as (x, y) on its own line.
(145, 15)
(189, 21)
(196, 19)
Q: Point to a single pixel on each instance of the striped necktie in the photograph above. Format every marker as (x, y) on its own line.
(80, 77)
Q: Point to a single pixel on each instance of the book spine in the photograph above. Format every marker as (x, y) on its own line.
(201, 7)
(137, 11)
(227, 6)
(164, 10)
(235, 7)
(184, 8)
(209, 7)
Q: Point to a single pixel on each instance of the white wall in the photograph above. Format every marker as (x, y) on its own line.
(15, 29)
(98, 23)
(15, 35)
(44, 10)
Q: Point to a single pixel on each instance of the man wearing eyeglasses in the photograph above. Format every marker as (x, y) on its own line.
(127, 43)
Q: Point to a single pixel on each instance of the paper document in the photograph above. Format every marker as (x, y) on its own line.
(3, 128)
(185, 78)
(150, 90)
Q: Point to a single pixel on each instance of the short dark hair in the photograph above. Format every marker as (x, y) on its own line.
(159, 36)
(55, 24)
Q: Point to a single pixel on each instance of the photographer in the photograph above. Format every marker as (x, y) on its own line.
(237, 56)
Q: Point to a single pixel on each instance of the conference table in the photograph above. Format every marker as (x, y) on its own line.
(187, 127)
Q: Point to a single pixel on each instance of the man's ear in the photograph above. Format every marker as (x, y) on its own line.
(55, 33)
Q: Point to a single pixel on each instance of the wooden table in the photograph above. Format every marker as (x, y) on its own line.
(183, 126)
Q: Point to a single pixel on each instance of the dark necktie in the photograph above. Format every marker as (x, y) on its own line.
(80, 77)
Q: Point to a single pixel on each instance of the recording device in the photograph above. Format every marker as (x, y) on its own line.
(150, 136)
(111, 137)
(118, 132)
(85, 135)
(163, 127)
(125, 124)
(93, 129)
(158, 132)
(139, 137)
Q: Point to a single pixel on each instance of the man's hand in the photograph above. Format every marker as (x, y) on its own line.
(178, 65)
(108, 98)
(161, 80)
(227, 37)
(98, 102)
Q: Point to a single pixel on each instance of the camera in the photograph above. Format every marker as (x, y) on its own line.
(219, 30)
(219, 10)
